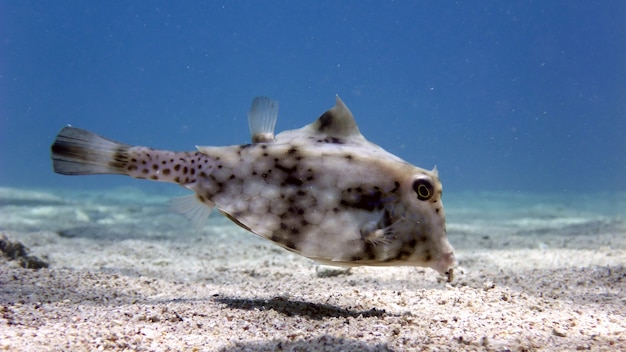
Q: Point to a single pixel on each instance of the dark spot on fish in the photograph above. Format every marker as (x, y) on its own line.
(385, 220)
(154, 177)
(362, 200)
(177, 167)
(177, 179)
(292, 150)
(163, 162)
(368, 249)
(132, 168)
(155, 167)
(145, 171)
(132, 160)
(326, 120)
(166, 172)
(289, 244)
(335, 140)
(437, 210)
(396, 187)
(220, 166)
(349, 157)
(284, 241)
(192, 171)
(293, 181)
(295, 210)
(185, 169)
(405, 251)
(427, 256)
(287, 170)
(231, 177)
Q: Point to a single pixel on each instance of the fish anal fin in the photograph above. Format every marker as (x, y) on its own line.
(193, 208)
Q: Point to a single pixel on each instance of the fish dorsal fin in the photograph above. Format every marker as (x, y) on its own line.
(337, 122)
(262, 119)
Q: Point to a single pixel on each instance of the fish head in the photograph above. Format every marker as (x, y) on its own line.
(421, 221)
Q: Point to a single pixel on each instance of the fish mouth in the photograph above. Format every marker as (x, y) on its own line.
(446, 262)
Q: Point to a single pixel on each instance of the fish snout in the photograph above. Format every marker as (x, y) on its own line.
(446, 261)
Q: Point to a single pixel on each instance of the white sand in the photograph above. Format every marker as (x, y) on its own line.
(536, 273)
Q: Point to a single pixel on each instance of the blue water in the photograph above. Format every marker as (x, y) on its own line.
(525, 96)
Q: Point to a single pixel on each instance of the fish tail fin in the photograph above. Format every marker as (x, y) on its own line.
(79, 152)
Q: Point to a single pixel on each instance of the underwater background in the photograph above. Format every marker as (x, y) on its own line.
(516, 96)
(521, 105)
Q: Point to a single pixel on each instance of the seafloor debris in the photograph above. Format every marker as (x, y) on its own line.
(19, 252)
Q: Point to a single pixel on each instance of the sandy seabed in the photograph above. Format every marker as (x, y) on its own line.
(536, 273)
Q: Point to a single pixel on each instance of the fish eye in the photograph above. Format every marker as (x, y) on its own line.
(423, 188)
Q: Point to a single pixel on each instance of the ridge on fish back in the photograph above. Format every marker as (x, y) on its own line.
(322, 191)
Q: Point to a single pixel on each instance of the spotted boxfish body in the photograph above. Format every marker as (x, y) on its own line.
(322, 191)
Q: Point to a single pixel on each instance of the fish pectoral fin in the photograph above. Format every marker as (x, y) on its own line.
(192, 208)
(381, 231)
(262, 119)
(370, 232)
